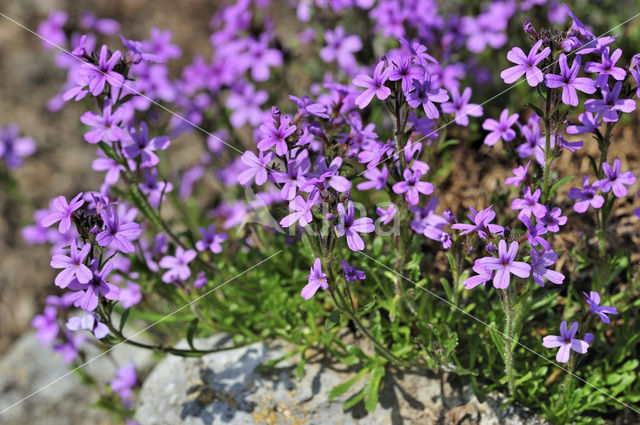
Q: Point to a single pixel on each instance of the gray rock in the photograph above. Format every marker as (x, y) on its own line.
(28, 367)
(223, 388)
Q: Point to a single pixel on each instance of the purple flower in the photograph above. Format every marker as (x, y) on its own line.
(276, 135)
(123, 383)
(261, 58)
(99, 75)
(589, 123)
(144, 147)
(569, 81)
(539, 264)
(211, 240)
(566, 341)
(500, 130)
(481, 223)
(534, 232)
(484, 274)
(615, 180)
(88, 322)
(63, 212)
(374, 86)
(73, 265)
(461, 106)
(593, 299)
(351, 274)
(426, 96)
(351, 227)
(13, 148)
(553, 219)
(178, 265)
(106, 127)
(386, 215)
(610, 104)
(519, 175)
(117, 235)
(110, 165)
(46, 325)
(245, 103)
(529, 204)
(607, 67)
(525, 65)
(257, 167)
(301, 210)
(52, 31)
(340, 48)
(587, 196)
(403, 70)
(412, 186)
(130, 295)
(306, 106)
(200, 281)
(376, 179)
(137, 51)
(417, 51)
(317, 279)
(86, 294)
(505, 265)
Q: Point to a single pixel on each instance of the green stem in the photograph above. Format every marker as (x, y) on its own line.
(509, 336)
(546, 185)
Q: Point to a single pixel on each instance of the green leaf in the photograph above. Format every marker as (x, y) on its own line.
(367, 307)
(559, 184)
(191, 330)
(498, 341)
(338, 390)
(123, 319)
(353, 400)
(332, 320)
(372, 388)
(536, 109)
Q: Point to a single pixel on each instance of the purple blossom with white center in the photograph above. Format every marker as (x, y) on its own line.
(386, 215)
(63, 212)
(89, 322)
(46, 325)
(86, 294)
(461, 106)
(13, 148)
(567, 341)
(505, 265)
(412, 186)
(317, 279)
(426, 96)
(569, 81)
(211, 240)
(519, 175)
(340, 48)
(72, 265)
(123, 383)
(106, 126)
(609, 105)
(404, 71)
(178, 265)
(130, 295)
(587, 196)
(144, 147)
(534, 232)
(117, 235)
(258, 167)
(481, 223)
(484, 274)
(301, 210)
(351, 274)
(589, 123)
(276, 135)
(539, 263)
(553, 219)
(373, 86)
(525, 65)
(616, 181)
(593, 299)
(607, 67)
(376, 179)
(529, 204)
(98, 76)
(500, 129)
(352, 227)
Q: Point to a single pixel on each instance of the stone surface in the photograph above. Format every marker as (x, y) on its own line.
(222, 388)
(27, 367)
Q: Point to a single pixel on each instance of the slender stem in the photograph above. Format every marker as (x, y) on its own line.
(546, 185)
(509, 337)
